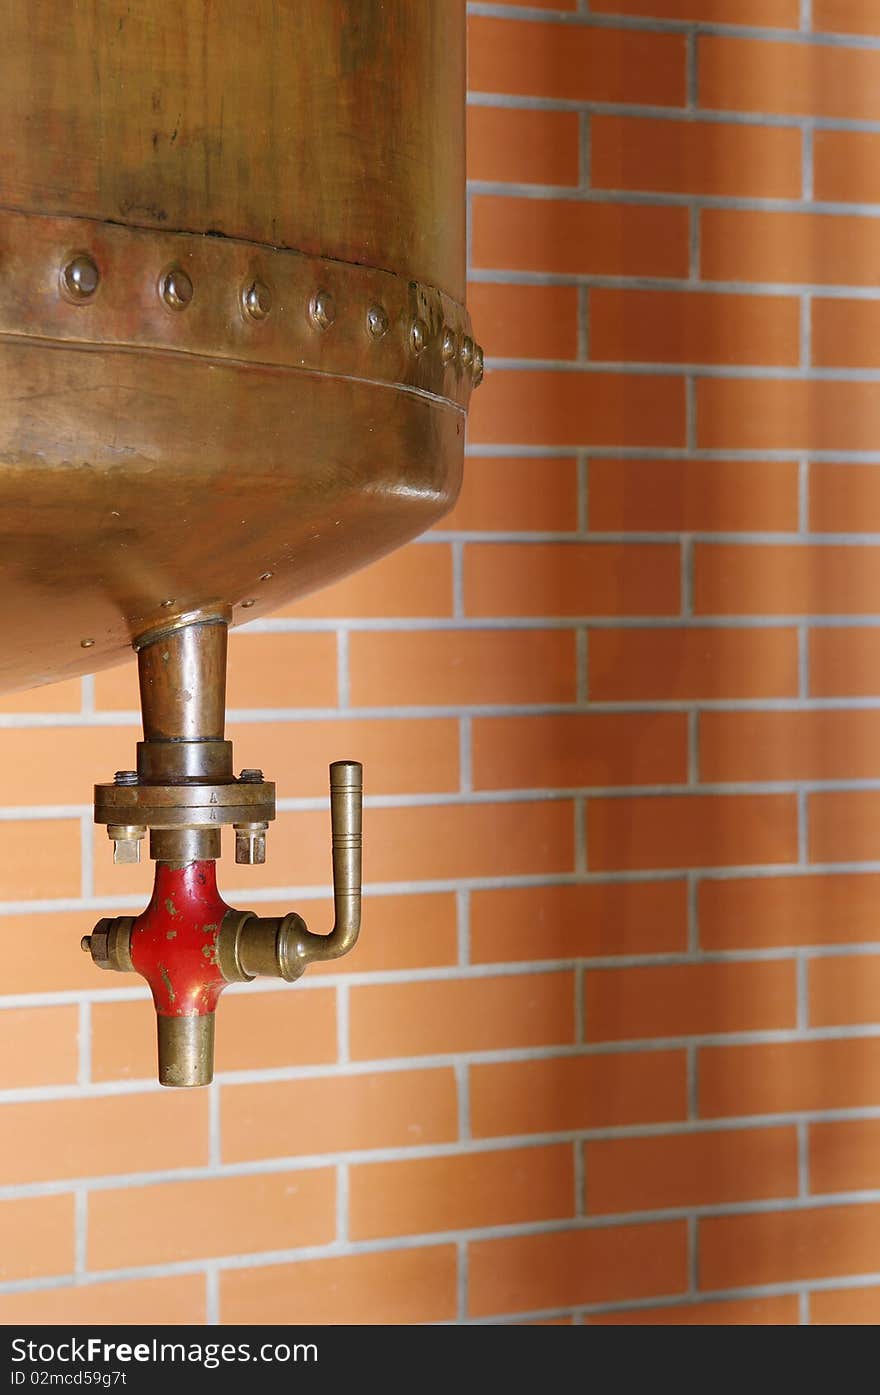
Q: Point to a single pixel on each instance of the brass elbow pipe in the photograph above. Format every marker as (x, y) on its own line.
(283, 946)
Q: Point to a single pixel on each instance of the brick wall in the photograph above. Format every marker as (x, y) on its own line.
(609, 1050)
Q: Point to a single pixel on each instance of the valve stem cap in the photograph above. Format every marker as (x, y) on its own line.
(250, 843)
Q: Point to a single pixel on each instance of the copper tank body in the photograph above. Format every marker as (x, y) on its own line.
(234, 358)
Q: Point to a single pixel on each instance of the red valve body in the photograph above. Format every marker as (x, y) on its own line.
(174, 941)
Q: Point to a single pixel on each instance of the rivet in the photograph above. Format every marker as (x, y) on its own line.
(448, 346)
(251, 777)
(478, 365)
(377, 321)
(466, 353)
(418, 336)
(80, 277)
(166, 604)
(86, 643)
(246, 605)
(322, 310)
(176, 289)
(256, 299)
(266, 576)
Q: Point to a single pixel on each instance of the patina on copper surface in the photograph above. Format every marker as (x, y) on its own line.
(234, 357)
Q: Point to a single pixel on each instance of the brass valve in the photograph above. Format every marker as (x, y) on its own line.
(283, 946)
(189, 944)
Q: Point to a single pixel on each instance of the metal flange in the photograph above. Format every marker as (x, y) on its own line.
(185, 806)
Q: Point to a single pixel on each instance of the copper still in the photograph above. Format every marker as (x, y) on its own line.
(237, 366)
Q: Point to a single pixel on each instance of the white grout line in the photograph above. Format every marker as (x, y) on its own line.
(463, 927)
(463, 1298)
(80, 1231)
(342, 1207)
(342, 1022)
(803, 1159)
(342, 669)
(84, 1043)
(212, 1295)
(463, 1091)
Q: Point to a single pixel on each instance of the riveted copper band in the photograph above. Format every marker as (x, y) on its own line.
(84, 282)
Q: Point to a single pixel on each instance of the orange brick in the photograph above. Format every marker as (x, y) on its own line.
(797, 414)
(535, 59)
(778, 14)
(477, 1014)
(523, 146)
(445, 842)
(392, 1286)
(461, 666)
(690, 831)
(97, 1137)
(687, 157)
(414, 581)
(571, 579)
(845, 990)
(791, 79)
(568, 922)
(41, 858)
(387, 940)
(699, 1169)
(576, 1266)
(634, 665)
(778, 1247)
(525, 321)
(451, 841)
(47, 956)
(845, 662)
(572, 237)
(50, 697)
(844, 499)
(748, 245)
(693, 327)
(178, 1301)
(577, 1092)
(255, 1031)
(746, 1312)
(846, 1307)
(786, 580)
(60, 766)
(824, 745)
(38, 1045)
(391, 1109)
(544, 408)
(673, 1000)
(416, 1196)
(517, 494)
(259, 674)
(771, 912)
(786, 1077)
(213, 1216)
(564, 751)
(262, 668)
(657, 496)
(843, 826)
(844, 1156)
(400, 757)
(845, 167)
(36, 1237)
(846, 17)
(844, 336)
